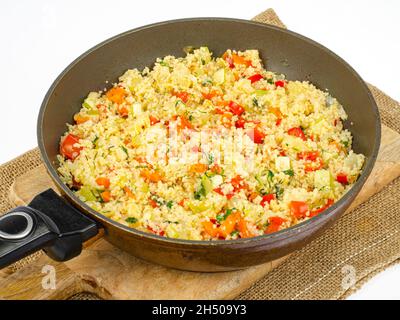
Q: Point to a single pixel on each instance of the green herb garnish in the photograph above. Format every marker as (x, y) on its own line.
(278, 191)
(170, 204)
(222, 216)
(131, 220)
(234, 233)
(289, 172)
(255, 102)
(125, 150)
(270, 81)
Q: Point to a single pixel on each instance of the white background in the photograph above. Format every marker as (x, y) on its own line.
(40, 38)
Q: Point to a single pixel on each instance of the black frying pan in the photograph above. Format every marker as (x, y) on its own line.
(60, 225)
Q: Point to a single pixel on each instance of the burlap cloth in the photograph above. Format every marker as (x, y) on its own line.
(361, 244)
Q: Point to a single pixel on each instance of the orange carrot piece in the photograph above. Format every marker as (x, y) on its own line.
(79, 119)
(116, 94)
(243, 230)
(106, 196)
(103, 181)
(198, 168)
(129, 193)
(152, 176)
(229, 224)
(210, 229)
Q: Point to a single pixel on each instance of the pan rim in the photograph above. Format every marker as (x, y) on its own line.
(259, 240)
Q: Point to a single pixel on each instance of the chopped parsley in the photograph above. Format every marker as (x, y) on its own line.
(95, 141)
(170, 204)
(200, 193)
(234, 233)
(222, 216)
(125, 150)
(289, 172)
(278, 191)
(131, 220)
(255, 102)
(207, 82)
(210, 158)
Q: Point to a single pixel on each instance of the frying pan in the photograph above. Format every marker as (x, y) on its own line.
(59, 225)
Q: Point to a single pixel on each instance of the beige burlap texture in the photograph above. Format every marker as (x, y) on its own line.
(362, 243)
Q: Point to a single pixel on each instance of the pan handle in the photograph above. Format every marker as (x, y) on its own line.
(49, 223)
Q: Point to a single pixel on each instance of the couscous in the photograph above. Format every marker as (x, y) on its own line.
(206, 148)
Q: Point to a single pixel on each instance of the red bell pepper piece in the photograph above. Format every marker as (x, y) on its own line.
(267, 199)
(342, 178)
(297, 132)
(298, 209)
(255, 78)
(235, 108)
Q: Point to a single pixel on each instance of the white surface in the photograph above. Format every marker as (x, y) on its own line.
(40, 38)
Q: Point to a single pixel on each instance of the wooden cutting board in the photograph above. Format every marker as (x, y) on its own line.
(113, 274)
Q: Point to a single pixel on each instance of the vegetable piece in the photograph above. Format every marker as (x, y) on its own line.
(198, 168)
(197, 206)
(228, 60)
(226, 119)
(68, 148)
(131, 220)
(289, 172)
(129, 193)
(244, 232)
(116, 95)
(315, 212)
(183, 95)
(267, 199)
(211, 229)
(313, 166)
(274, 224)
(215, 168)
(342, 178)
(297, 132)
(153, 203)
(184, 123)
(87, 193)
(152, 176)
(280, 83)
(298, 209)
(157, 232)
(256, 135)
(240, 60)
(103, 181)
(106, 196)
(206, 184)
(308, 155)
(123, 111)
(260, 92)
(153, 120)
(228, 225)
(240, 123)
(255, 77)
(211, 94)
(235, 108)
(219, 76)
(79, 119)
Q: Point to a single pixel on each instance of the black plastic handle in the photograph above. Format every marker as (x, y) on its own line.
(49, 223)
